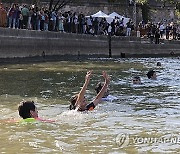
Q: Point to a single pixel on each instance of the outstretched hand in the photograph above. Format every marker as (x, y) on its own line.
(106, 77)
(103, 90)
(88, 75)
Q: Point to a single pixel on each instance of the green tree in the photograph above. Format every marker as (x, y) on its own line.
(144, 4)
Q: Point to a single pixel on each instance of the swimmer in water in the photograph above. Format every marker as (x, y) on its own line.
(158, 63)
(28, 111)
(79, 103)
(137, 80)
(107, 96)
(98, 89)
(152, 75)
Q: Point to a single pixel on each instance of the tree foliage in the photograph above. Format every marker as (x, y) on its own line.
(145, 5)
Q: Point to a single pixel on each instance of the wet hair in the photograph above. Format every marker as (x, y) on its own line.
(25, 107)
(150, 74)
(98, 87)
(73, 100)
(158, 64)
(136, 78)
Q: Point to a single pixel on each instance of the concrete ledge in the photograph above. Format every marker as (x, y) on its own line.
(25, 43)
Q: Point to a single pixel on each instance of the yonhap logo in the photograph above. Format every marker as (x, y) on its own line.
(122, 140)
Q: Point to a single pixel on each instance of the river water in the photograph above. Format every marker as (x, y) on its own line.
(144, 119)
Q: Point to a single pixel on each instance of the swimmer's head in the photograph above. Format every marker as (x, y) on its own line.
(151, 75)
(136, 80)
(73, 102)
(98, 87)
(158, 64)
(27, 109)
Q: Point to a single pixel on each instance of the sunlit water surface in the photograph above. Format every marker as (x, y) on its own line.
(150, 110)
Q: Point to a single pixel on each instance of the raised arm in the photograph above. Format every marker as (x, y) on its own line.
(82, 92)
(103, 90)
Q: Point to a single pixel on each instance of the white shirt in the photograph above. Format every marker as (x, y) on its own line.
(161, 28)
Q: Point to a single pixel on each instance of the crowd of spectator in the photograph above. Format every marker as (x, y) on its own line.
(157, 31)
(35, 18)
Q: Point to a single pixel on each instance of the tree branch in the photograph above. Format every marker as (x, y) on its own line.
(63, 4)
(50, 5)
(57, 4)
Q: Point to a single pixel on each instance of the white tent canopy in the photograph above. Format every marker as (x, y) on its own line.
(100, 14)
(110, 17)
(125, 21)
(114, 14)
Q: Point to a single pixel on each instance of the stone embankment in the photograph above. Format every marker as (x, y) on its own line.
(26, 44)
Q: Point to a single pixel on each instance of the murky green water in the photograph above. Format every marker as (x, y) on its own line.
(147, 115)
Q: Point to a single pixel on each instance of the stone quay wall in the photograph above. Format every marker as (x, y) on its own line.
(24, 43)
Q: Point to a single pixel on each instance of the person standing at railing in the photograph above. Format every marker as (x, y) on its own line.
(11, 15)
(25, 14)
(174, 32)
(38, 21)
(18, 16)
(30, 18)
(42, 19)
(14, 15)
(53, 20)
(61, 22)
(113, 27)
(3, 16)
(46, 21)
(157, 36)
(34, 19)
(167, 31)
(128, 28)
(162, 28)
